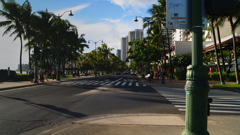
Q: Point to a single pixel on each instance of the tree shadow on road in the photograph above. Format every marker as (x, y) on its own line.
(51, 108)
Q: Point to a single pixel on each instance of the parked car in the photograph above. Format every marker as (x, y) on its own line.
(133, 73)
(118, 73)
(125, 72)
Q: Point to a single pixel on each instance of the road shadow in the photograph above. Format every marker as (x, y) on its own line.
(50, 108)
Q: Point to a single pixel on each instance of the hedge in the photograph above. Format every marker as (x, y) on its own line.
(211, 76)
(21, 77)
(180, 75)
(229, 77)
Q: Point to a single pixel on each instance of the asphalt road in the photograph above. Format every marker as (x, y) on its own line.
(29, 108)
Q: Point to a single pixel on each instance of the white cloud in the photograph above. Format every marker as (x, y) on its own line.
(134, 3)
(74, 9)
(10, 50)
(110, 33)
(111, 20)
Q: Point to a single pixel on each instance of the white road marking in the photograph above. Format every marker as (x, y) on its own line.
(117, 83)
(130, 84)
(124, 83)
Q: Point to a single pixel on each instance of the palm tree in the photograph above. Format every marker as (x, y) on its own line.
(217, 59)
(220, 23)
(13, 14)
(27, 20)
(233, 27)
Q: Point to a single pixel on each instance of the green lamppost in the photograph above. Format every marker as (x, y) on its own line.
(162, 82)
(95, 71)
(35, 58)
(148, 21)
(59, 16)
(197, 86)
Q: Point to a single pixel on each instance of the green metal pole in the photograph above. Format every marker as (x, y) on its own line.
(95, 72)
(197, 86)
(148, 55)
(35, 75)
(58, 73)
(162, 71)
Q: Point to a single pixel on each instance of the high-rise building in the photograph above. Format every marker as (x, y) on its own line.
(118, 53)
(123, 48)
(136, 34)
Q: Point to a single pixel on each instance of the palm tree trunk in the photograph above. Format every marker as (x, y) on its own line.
(220, 46)
(170, 61)
(21, 55)
(234, 51)
(163, 48)
(29, 61)
(215, 46)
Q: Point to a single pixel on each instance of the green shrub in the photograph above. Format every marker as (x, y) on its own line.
(180, 75)
(21, 77)
(213, 76)
(231, 77)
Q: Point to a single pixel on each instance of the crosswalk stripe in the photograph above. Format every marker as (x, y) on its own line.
(130, 84)
(216, 111)
(117, 83)
(104, 83)
(124, 83)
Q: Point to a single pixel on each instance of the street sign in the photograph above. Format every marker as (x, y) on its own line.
(179, 14)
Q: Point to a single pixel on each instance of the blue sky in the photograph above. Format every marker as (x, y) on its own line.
(106, 20)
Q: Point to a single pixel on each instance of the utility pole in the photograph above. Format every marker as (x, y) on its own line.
(197, 86)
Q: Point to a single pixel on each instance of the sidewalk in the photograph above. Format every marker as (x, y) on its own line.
(176, 83)
(19, 84)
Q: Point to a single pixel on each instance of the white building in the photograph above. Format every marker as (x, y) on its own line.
(136, 34)
(118, 53)
(124, 48)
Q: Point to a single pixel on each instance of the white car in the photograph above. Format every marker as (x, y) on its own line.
(133, 73)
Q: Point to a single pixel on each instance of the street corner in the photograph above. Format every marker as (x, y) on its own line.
(121, 123)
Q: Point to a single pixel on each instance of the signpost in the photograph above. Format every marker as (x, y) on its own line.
(179, 14)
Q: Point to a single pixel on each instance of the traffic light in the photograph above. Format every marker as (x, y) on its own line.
(165, 57)
(36, 51)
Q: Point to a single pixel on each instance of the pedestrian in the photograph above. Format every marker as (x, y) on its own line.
(41, 75)
(158, 74)
(31, 75)
(54, 74)
(151, 76)
(45, 74)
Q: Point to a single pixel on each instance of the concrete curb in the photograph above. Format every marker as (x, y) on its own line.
(1, 89)
(115, 120)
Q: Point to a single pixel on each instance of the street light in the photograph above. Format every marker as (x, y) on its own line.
(59, 16)
(148, 21)
(197, 86)
(95, 55)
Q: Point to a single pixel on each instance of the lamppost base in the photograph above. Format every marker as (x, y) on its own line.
(189, 133)
(197, 89)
